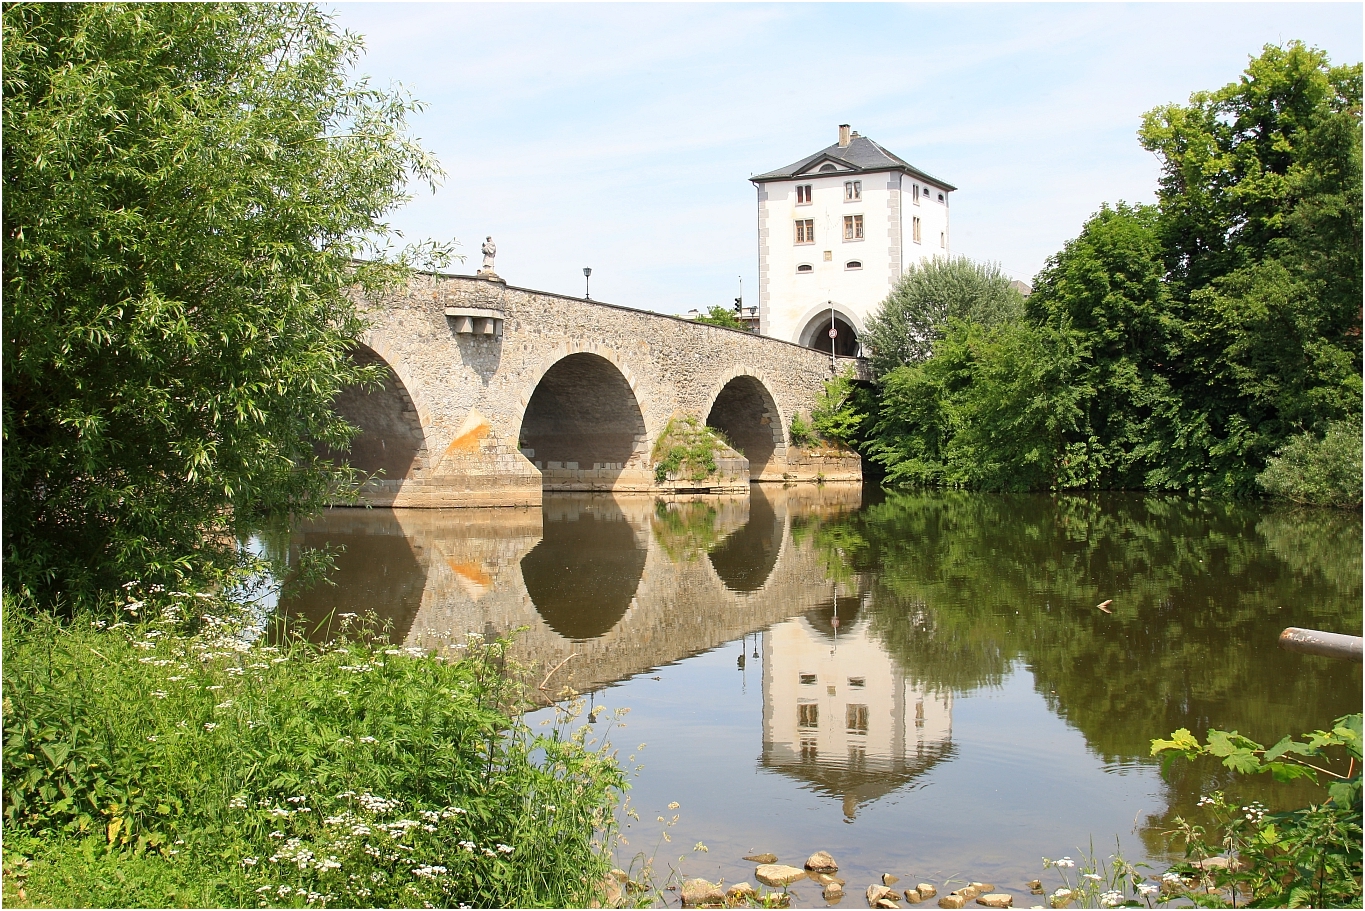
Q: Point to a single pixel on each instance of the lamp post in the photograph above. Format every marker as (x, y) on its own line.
(587, 273)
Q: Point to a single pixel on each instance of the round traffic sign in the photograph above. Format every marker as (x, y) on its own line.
(833, 332)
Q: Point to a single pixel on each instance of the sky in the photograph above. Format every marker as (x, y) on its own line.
(622, 136)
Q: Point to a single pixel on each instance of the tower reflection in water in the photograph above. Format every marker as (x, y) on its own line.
(838, 713)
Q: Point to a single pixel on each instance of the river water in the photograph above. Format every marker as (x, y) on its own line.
(919, 684)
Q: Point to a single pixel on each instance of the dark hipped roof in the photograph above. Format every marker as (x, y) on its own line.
(861, 156)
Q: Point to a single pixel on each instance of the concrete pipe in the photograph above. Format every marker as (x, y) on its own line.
(1316, 642)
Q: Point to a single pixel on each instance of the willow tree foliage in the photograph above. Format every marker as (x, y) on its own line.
(187, 190)
(926, 297)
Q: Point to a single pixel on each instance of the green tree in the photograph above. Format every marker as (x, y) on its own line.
(187, 190)
(993, 409)
(721, 316)
(1106, 289)
(926, 297)
(1260, 199)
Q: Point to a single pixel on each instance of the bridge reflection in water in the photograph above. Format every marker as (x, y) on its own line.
(627, 584)
(623, 583)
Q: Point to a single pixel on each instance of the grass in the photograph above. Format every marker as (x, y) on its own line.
(174, 759)
(686, 449)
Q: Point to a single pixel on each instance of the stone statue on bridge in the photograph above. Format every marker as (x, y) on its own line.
(490, 250)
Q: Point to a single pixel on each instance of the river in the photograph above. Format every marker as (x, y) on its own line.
(920, 684)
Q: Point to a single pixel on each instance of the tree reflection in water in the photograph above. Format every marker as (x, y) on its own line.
(965, 585)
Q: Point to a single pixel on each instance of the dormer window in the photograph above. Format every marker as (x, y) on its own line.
(803, 194)
(851, 265)
(940, 197)
(827, 167)
(853, 190)
(804, 269)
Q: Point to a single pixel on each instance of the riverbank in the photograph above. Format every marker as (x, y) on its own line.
(177, 758)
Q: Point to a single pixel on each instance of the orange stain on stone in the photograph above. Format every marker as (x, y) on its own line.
(469, 440)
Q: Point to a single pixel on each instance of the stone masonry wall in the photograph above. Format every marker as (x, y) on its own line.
(471, 389)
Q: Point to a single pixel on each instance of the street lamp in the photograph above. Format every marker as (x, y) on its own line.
(587, 273)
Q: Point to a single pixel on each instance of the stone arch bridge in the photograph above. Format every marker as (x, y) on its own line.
(495, 394)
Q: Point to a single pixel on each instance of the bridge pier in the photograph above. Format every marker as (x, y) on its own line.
(565, 394)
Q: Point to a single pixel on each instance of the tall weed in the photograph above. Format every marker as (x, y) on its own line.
(354, 774)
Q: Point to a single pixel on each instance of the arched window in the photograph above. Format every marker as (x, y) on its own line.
(804, 269)
(853, 264)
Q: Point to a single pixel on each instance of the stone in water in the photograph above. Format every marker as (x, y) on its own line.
(926, 890)
(762, 858)
(698, 892)
(821, 862)
(876, 893)
(778, 875)
(996, 900)
(889, 880)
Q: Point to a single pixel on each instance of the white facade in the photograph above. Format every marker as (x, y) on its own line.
(835, 231)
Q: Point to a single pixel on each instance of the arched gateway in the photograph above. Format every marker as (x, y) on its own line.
(497, 393)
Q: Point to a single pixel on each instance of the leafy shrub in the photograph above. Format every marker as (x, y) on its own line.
(687, 449)
(840, 414)
(1318, 472)
(355, 774)
(801, 432)
(1309, 857)
(992, 409)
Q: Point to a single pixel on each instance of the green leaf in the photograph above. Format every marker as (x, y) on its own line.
(1181, 740)
(1242, 760)
(56, 753)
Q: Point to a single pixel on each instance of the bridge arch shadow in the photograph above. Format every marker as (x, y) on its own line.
(745, 411)
(391, 444)
(583, 427)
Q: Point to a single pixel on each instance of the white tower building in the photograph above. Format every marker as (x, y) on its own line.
(835, 230)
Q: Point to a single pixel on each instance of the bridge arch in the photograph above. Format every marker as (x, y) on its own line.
(581, 422)
(742, 407)
(391, 445)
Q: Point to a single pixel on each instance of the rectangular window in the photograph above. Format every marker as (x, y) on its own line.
(916, 194)
(856, 717)
(808, 715)
(803, 194)
(807, 679)
(805, 230)
(943, 239)
(857, 681)
(853, 190)
(853, 227)
(915, 226)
